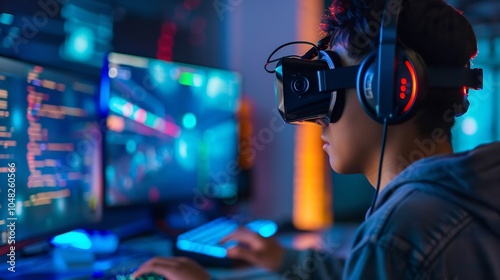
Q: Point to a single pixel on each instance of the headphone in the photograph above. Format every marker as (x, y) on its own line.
(391, 81)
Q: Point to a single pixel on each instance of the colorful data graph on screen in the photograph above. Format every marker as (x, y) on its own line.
(172, 130)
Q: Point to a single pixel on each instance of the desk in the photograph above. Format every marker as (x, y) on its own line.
(133, 252)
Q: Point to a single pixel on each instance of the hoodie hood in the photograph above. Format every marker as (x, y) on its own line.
(470, 179)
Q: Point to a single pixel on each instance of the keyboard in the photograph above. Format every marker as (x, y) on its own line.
(124, 272)
(202, 243)
(121, 267)
(128, 276)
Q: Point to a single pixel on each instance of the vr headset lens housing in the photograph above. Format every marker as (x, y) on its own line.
(298, 92)
(297, 89)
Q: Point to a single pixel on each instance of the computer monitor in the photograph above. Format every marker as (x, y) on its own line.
(50, 143)
(172, 131)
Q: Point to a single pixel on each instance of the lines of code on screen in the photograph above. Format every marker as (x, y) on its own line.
(49, 129)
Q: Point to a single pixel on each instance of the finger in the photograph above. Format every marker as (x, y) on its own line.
(229, 236)
(242, 235)
(242, 253)
(158, 260)
(170, 262)
(164, 271)
(180, 259)
(245, 236)
(153, 264)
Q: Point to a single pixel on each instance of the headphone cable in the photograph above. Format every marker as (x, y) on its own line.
(377, 189)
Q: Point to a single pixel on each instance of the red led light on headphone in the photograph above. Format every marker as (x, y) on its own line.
(403, 88)
(413, 95)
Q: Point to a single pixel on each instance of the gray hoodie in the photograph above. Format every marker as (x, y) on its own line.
(438, 219)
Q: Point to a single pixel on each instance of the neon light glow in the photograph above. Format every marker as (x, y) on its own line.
(215, 87)
(115, 123)
(268, 230)
(210, 250)
(131, 146)
(183, 149)
(159, 73)
(17, 118)
(80, 44)
(413, 88)
(190, 79)
(122, 107)
(469, 126)
(189, 121)
(112, 72)
(6, 19)
(140, 116)
(311, 199)
(75, 239)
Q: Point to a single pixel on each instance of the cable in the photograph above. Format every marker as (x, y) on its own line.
(382, 149)
(282, 46)
(278, 59)
(323, 44)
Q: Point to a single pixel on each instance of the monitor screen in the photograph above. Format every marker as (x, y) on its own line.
(172, 131)
(50, 142)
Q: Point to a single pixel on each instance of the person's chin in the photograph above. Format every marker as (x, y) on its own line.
(333, 162)
(337, 165)
(333, 159)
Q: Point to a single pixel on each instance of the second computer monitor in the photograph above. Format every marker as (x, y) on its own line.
(172, 131)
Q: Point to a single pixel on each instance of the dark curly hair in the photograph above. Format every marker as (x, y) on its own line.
(432, 28)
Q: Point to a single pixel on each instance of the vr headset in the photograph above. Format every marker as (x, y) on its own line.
(390, 82)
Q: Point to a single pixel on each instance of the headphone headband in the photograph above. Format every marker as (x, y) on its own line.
(386, 67)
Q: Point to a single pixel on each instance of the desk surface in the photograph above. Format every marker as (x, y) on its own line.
(72, 264)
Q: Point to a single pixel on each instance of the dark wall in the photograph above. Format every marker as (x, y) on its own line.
(37, 32)
(198, 36)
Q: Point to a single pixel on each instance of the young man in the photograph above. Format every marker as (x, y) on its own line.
(437, 215)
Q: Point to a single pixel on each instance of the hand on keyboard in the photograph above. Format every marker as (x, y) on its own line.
(255, 249)
(172, 269)
(225, 240)
(147, 276)
(124, 275)
(206, 239)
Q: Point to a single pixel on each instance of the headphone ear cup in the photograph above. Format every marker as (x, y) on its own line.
(367, 85)
(410, 84)
(338, 97)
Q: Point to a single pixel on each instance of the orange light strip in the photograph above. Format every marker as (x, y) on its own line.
(312, 202)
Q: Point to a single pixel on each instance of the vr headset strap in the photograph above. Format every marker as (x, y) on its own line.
(453, 77)
(338, 78)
